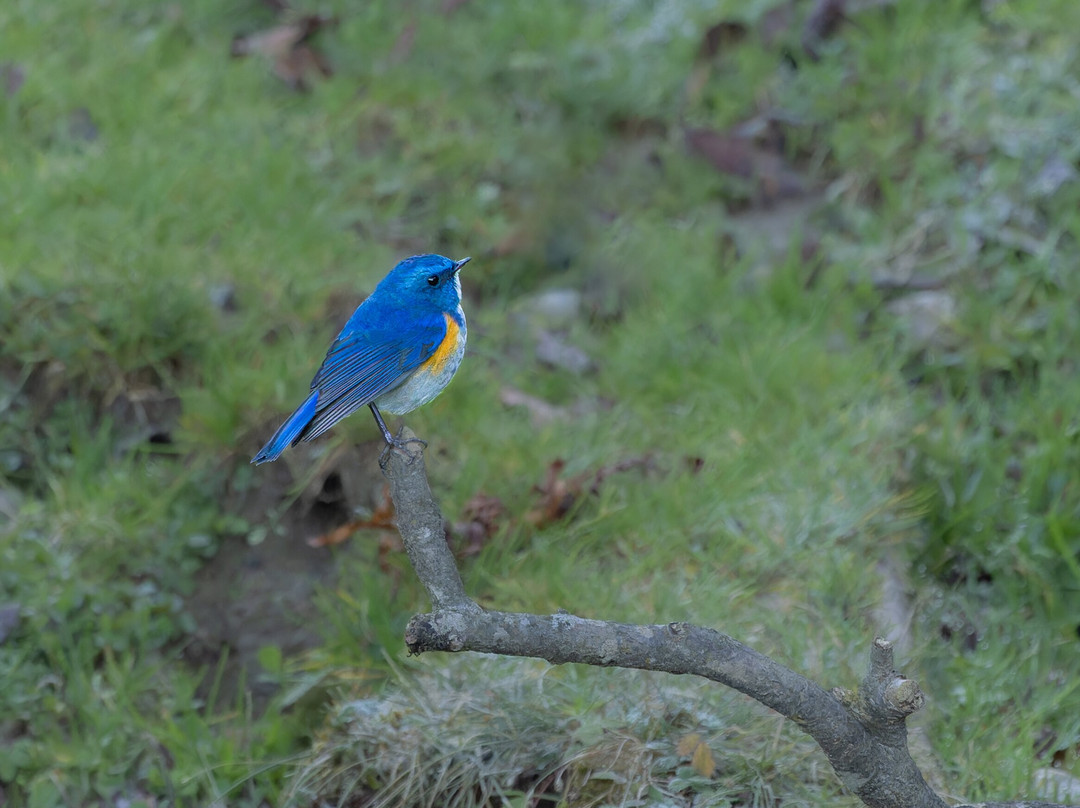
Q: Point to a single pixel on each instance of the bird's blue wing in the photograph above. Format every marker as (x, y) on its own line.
(363, 365)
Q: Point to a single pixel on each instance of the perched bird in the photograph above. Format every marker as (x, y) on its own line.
(397, 352)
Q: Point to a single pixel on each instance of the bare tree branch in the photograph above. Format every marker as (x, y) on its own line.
(862, 733)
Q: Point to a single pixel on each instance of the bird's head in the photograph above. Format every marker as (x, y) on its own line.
(426, 280)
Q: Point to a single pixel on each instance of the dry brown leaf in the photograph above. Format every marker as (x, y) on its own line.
(389, 544)
(485, 509)
(482, 517)
(703, 761)
(471, 538)
(383, 515)
(739, 155)
(301, 61)
(272, 42)
(688, 744)
(693, 746)
(558, 495)
(339, 535)
(721, 35)
(288, 48)
(728, 154)
(382, 518)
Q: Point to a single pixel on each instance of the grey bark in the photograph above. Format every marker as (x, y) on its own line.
(862, 732)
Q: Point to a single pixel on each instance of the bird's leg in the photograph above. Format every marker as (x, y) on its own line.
(391, 441)
(382, 424)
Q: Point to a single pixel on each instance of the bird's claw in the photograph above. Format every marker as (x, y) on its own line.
(399, 444)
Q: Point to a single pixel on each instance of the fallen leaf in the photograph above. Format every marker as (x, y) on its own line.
(726, 153)
(383, 515)
(471, 538)
(558, 495)
(721, 35)
(382, 518)
(300, 62)
(693, 746)
(717, 38)
(485, 509)
(389, 544)
(272, 43)
(688, 744)
(482, 518)
(339, 535)
(703, 761)
(739, 155)
(288, 48)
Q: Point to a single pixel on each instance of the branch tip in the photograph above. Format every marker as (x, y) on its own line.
(903, 697)
(881, 658)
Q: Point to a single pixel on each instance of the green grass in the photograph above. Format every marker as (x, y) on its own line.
(144, 174)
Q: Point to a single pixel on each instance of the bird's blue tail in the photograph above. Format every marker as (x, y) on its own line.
(289, 431)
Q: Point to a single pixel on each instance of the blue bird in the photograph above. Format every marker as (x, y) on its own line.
(397, 352)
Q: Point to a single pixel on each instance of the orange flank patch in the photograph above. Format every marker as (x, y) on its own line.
(447, 349)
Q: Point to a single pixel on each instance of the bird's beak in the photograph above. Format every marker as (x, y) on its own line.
(459, 264)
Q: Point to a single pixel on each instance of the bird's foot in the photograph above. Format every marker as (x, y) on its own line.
(400, 444)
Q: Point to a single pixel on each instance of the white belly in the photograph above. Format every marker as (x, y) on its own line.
(426, 383)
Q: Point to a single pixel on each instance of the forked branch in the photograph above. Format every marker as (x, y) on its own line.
(862, 733)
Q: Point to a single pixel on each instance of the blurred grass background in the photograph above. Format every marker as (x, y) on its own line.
(822, 309)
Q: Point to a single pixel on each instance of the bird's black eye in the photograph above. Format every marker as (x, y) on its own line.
(432, 280)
